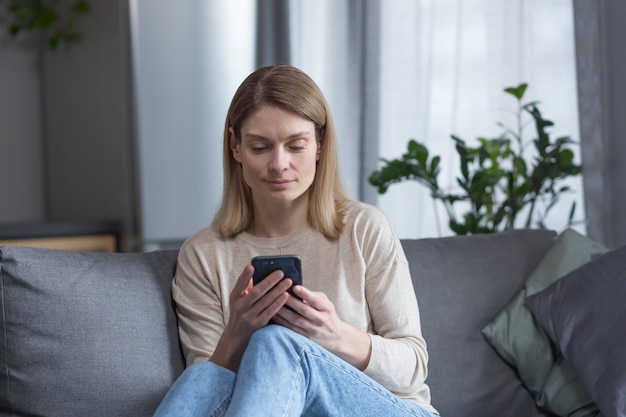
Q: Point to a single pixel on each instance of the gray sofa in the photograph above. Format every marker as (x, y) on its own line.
(94, 334)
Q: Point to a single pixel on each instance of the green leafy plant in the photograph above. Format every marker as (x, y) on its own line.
(53, 17)
(497, 182)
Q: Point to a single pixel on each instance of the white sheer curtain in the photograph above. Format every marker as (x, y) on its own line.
(326, 44)
(442, 66)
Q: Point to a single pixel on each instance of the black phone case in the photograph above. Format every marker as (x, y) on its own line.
(291, 266)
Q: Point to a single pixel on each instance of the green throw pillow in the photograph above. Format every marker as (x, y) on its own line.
(523, 343)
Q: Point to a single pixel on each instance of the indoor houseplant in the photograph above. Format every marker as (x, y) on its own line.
(53, 18)
(498, 181)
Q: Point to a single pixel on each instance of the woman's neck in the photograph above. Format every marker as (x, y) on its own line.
(279, 220)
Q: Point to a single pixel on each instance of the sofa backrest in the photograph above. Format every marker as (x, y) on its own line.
(86, 333)
(94, 334)
(461, 284)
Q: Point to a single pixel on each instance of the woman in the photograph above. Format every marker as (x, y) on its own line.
(346, 342)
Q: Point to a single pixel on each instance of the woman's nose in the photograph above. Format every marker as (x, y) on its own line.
(280, 160)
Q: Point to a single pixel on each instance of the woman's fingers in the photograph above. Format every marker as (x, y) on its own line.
(309, 303)
(312, 314)
(273, 299)
(256, 304)
(244, 282)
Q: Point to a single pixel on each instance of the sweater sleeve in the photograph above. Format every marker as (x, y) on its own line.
(399, 356)
(198, 305)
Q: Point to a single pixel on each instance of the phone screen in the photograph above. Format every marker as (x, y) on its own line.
(291, 266)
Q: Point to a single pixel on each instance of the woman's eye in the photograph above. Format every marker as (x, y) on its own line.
(297, 145)
(259, 149)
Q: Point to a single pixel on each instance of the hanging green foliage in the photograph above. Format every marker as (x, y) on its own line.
(57, 19)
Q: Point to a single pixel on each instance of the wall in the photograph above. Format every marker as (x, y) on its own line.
(89, 174)
(21, 152)
(65, 125)
(160, 177)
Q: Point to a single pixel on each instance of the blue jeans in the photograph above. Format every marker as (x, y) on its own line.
(282, 374)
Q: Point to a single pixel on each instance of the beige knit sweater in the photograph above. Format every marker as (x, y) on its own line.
(364, 273)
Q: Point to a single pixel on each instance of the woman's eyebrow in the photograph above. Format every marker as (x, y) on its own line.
(292, 136)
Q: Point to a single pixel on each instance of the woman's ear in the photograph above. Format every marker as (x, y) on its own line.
(319, 149)
(234, 145)
(320, 142)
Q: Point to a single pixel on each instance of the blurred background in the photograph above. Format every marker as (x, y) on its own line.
(121, 132)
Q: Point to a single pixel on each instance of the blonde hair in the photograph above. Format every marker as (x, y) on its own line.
(291, 89)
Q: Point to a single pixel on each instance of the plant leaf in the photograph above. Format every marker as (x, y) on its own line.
(517, 92)
(80, 6)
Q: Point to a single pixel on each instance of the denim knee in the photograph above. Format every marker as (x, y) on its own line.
(277, 339)
(273, 333)
(202, 373)
(194, 372)
(202, 387)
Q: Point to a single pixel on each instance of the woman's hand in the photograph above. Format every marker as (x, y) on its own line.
(313, 315)
(251, 307)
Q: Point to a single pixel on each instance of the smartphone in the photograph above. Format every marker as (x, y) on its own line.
(291, 266)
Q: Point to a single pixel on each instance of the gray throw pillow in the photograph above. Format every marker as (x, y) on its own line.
(86, 333)
(584, 313)
(523, 344)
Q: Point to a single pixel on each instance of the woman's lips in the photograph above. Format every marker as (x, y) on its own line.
(279, 184)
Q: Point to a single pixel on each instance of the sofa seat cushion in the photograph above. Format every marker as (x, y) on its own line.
(85, 333)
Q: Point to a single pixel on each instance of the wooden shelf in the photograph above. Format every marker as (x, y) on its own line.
(83, 236)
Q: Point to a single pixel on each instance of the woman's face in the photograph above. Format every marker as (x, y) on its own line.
(278, 152)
